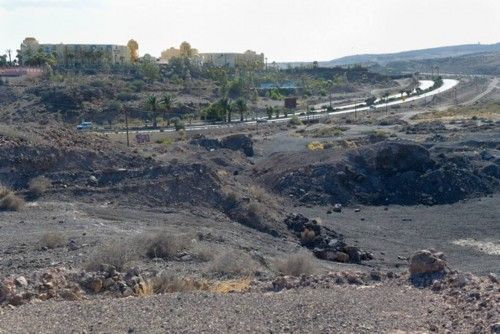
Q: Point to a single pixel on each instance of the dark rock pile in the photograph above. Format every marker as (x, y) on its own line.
(236, 142)
(325, 243)
(389, 172)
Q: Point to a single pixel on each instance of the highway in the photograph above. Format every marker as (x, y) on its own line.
(320, 110)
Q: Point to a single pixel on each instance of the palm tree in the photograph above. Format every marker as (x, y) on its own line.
(226, 107)
(153, 105)
(167, 103)
(241, 107)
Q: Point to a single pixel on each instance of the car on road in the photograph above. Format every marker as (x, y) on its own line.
(84, 126)
(261, 120)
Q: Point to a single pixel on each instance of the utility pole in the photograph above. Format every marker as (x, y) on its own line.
(126, 126)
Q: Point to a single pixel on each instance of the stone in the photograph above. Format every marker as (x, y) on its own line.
(21, 282)
(493, 278)
(354, 254)
(93, 180)
(16, 300)
(425, 262)
(341, 257)
(495, 328)
(96, 285)
(337, 207)
(127, 292)
(376, 275)
(67, 294)
(72, 245)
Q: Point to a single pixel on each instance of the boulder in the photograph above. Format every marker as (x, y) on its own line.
(426, 262)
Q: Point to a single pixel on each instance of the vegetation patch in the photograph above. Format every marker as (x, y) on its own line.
(9, 201)
(315, 146)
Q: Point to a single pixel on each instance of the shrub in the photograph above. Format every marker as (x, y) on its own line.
(233, 263)
(117, 254)
(171, 283)
(9, 201)
(296, 265)
(179, 125)
(38, 185)
(52, 240)
(203, 253)
(294, 120)
(165, 245)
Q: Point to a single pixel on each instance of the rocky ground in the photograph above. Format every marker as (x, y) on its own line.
(310, 228)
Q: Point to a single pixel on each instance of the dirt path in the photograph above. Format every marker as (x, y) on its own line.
(492, 85)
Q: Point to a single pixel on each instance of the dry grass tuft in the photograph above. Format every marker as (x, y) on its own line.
(171, 283)
(315, 146)
(307, 235)
(165, 245)
(233, 264)
(118, 254)
(296, 265)
(38, 185)
(9, 201)
(52, 240)
(230, 286)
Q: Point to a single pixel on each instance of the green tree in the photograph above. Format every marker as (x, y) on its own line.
(111, 110)
(153, 105)
(227, 108)
(370, 101)
(167, 103)
(149, 70)
(241, 107)
(269, 112)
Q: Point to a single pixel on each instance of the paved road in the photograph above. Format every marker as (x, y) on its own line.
(321, 111)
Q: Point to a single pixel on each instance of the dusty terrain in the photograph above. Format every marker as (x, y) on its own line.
(373, 190)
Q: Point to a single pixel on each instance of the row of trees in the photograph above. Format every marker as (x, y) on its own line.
(222, 110)
(157, 105)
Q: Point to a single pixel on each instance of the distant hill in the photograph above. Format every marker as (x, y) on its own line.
(440, 52)
(478, 63)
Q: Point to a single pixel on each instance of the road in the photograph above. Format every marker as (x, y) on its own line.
(320, 109)
(493, 84)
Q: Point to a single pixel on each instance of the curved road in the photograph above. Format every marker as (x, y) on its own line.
(320, 113)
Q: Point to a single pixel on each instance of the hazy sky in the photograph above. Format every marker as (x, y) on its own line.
(285, 30)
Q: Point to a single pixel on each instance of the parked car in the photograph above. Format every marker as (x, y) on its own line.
(84, 126)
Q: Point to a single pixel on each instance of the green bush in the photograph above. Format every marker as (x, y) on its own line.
(294, 120)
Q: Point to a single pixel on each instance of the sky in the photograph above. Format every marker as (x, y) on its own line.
(284, 30)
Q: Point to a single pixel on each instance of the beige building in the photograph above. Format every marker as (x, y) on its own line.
(77, 55)
(249, 58)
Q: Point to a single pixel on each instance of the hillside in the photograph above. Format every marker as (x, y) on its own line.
(482, 63)
(439, 52)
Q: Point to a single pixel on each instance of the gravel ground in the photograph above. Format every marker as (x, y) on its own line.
(340, 309)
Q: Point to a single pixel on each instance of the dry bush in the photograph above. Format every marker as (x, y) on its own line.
(38, 185)
(9, 201)
(259, 194)
(165, 245)
(296, 265)
(52, 240)
(307, 235)
(171, 283)
(230, 286)
(233, 263)
(117, 254)
(203, 253)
